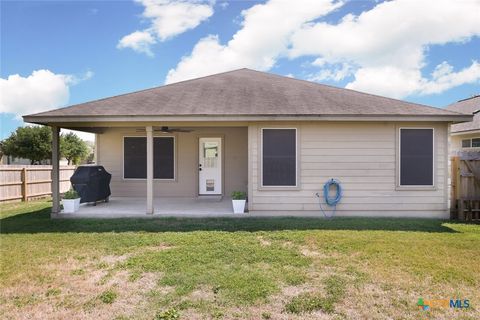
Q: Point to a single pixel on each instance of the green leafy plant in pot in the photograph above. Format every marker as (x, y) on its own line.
(71, 201)
(239, 198)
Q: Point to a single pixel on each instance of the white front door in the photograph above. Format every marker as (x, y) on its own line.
(210, 166)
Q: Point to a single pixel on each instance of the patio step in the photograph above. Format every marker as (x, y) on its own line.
(210, 198)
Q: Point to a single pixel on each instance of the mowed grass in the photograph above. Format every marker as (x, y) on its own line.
(248, 268)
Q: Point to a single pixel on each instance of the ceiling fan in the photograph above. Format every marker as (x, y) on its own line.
(166, 130)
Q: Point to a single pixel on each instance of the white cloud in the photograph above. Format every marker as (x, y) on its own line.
(396, 82)
(389, 43)
(224, 5)
(73, 79)
(330, 72)
(40, 91)
(387, 81)
(139, 41)
(168, 18)
(263, 38)
(444, 78)
(171, 18)
(319, 62)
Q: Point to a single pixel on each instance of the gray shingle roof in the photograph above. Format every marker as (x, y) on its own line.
(470, 106)
(245, 92)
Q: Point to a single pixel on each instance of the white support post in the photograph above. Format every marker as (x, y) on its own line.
(251, 138)
(149, 131)
(55, 171)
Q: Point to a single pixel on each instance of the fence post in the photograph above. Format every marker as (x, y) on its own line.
(458, 177)
(456, 184)
(453, 188)
(24, 184)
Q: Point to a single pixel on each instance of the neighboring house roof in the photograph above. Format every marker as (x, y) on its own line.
(471, 106)
(248, 93)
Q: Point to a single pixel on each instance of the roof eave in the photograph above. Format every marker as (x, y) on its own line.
(45, 119)
(462, 132)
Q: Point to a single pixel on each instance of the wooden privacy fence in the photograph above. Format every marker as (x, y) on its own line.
(30, 181)
(465, 191)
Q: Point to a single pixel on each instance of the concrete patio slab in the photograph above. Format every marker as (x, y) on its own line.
(122, 207)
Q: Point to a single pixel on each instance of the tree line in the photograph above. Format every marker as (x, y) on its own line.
(35, 143)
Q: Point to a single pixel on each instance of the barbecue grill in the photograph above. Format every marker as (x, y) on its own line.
(92, 183)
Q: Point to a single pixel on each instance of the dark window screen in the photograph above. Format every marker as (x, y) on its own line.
(163, 155)
(279, 157)
(476, 143)
(466, 143)
(135, 158)
(416, 157)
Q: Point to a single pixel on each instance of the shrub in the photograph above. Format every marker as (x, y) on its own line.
(239, 195)
(71, 194)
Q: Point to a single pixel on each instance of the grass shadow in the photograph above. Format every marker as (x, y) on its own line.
(39, 221)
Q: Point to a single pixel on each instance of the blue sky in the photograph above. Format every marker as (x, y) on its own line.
(83, 50)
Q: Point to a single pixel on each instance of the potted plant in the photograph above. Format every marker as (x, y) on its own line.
(71, 201)
(238, 201)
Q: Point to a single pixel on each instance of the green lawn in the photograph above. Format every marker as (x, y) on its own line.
(250, 268)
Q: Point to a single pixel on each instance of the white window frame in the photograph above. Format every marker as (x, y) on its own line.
(399, 159)
(155, 179)
(262, 186)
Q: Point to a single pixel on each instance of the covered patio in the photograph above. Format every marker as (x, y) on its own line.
(180, 194)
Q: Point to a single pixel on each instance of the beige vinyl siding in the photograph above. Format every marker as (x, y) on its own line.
(110, 155)
(363, 156)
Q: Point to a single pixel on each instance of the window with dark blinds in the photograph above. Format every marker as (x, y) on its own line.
(416, 157)
(163, 158)
(135, 158)
(279, 163)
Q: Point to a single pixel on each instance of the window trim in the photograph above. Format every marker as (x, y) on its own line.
(155, 179)
(399, 156)
(297, 182)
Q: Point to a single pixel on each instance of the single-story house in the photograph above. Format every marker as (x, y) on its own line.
(277, 138)
(465, 137)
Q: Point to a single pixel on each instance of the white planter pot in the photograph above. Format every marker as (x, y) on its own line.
(238, 206)
(70, 205)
